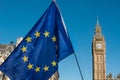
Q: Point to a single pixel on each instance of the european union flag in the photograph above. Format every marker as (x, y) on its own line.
(37, 56)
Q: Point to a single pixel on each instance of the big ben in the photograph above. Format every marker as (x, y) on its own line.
(99, 54)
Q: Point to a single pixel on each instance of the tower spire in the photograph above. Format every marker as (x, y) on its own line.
(98, 28)
(98, 22)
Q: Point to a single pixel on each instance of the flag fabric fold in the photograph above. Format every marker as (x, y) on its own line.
(46, 44)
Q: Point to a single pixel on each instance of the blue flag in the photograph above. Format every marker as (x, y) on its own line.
(37, 56)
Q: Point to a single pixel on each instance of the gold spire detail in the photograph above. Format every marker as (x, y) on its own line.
(98, 28)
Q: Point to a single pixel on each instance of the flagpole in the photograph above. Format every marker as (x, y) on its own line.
(76, 59)
(78, 66)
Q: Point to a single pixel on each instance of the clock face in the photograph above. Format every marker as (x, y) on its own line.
(99, 46)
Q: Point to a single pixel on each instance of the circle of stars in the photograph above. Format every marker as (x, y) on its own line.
(25, 58)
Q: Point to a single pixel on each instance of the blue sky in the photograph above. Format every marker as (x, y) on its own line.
(17, 17)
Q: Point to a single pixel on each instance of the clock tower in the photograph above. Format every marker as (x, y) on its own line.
(99, 54)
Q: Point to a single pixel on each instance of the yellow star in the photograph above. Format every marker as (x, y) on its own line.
(46, 68)
(25, 59)
(24, 49)
(37, 69)
(28, 39)
(46, 34)
(54, 63)
(30, 66)
(54, 38)
(37, 34)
